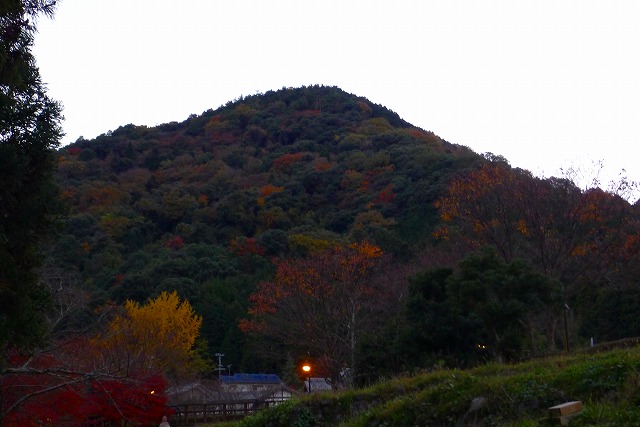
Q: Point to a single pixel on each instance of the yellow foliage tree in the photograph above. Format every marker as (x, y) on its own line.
(159, 335)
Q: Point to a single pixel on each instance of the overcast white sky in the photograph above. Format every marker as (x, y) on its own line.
(546, 83)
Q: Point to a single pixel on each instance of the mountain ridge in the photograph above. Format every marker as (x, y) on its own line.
(206, 203)
(203, 207)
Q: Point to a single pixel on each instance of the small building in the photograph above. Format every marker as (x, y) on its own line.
(193, 392)
(249, 382)
(268, 388)
(317, 384)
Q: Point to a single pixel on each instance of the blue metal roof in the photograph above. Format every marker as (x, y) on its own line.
(251, 378)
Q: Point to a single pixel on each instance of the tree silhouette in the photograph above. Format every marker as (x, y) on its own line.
(321, 305)
(29, 133)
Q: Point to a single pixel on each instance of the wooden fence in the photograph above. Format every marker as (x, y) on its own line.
(196, 413)
(193, 414)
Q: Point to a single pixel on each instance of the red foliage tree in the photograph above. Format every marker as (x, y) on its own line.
(175, 243)
(74, 151)
(139, 401)
(387, 195)
(321, 305)
(549, 222)
(245, 246)
(287, 160)
(69, 384)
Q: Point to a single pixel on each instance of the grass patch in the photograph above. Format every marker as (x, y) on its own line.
(517, 395)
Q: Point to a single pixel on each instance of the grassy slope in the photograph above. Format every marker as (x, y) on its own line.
(515, 395)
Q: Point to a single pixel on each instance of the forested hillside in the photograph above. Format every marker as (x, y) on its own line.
(205, 206)
(311, 225)
(202, 206)
(299, 225)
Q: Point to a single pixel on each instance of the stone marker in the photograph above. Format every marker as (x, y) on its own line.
(562, 413)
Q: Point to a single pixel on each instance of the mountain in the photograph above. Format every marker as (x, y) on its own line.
(201, 206)
(297, 160)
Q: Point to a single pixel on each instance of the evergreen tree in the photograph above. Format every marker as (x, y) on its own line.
(29, 134)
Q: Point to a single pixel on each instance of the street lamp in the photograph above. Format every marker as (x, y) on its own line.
(306, 368)
(566, 327)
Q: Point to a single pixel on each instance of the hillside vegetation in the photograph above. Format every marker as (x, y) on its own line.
(203, 206)
(312, 225)
(606, 382)
(299, 225)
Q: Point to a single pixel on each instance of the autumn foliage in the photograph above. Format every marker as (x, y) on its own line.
(320, 305)
(550, 222)
(287, 174)
(245, 246)
(269, 189)
(119, 375)
(580, 237)
(72, 384)
(159, 335)
(286, 160)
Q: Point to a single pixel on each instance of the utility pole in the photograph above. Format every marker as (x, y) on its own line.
(220, 367)
(566, 328)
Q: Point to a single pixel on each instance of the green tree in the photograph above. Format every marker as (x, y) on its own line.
(435, 330)
(29, 133)
(506, 298)
(485, 307)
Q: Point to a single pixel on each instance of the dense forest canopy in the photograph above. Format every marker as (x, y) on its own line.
(302, 224)
(201, 206)
(209, 200)
(302, 207)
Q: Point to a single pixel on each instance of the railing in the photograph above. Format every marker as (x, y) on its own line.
(195, 413)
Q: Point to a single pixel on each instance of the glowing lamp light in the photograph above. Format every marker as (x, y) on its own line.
(306, 368)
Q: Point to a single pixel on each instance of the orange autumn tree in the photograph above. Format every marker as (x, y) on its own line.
(321, 305)
(482, 205)
(157, 336)
(579, 237)
(549, 222)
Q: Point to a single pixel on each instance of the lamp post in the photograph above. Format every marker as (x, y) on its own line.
(306, 368)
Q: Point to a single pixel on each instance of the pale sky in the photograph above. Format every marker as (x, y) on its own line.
(547, 84)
